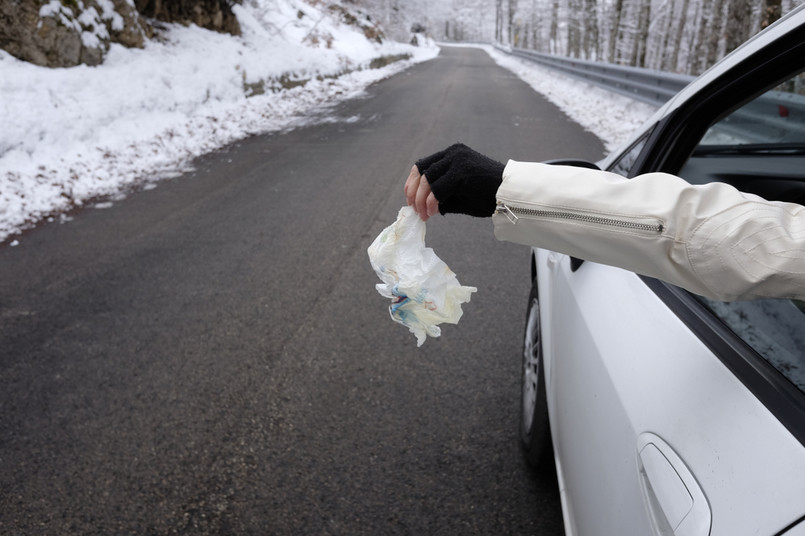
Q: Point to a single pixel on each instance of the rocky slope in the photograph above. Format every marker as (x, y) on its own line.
(211, 14)
(64, 33)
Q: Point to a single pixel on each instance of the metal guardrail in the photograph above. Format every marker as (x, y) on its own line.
(774, 117)
(646, 85)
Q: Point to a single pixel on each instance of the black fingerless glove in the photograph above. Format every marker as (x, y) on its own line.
(464, 181)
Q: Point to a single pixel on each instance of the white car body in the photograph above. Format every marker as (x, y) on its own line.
(619, 378)
(652, 432)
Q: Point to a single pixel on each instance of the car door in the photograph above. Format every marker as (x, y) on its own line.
(670, 413)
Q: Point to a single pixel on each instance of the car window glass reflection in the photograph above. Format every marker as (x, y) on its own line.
(774, 119)
(773, 328)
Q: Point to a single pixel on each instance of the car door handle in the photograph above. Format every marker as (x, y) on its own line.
(675, 501)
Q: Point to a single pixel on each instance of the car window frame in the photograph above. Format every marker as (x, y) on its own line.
(669, 146)
(676, 136)
(640, 146)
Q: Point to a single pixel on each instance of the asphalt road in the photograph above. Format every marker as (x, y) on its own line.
(211, 356)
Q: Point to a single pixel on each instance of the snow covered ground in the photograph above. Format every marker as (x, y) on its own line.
(72, 136)
(83, 135)
(610, 116)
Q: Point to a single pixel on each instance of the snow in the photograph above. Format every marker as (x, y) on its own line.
(71, 136)
(610, 116)
(109, 13)
(84, 135)
(54, 8)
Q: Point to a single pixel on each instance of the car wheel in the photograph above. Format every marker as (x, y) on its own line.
(535, 435)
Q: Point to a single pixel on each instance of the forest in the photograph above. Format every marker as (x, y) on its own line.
(683, 36)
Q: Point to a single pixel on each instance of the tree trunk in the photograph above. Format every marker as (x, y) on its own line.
(772, 10)
(660, 55)
(573, 29)
(590, 37)
(739, 23)
(641, 35)
(714, 33)
(677, 42)
(535, 26)
(697, 59)
(554, 26)
(614, 30)
(498, 21)
(512, 11)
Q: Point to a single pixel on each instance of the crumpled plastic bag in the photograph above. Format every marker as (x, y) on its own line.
(424, 292)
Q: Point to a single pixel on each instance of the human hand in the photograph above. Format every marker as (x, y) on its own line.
(419, 196)
(455, 180)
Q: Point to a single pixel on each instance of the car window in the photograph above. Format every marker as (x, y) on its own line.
(760, 148)
(775, 329)
(775, 120)
(624, 163)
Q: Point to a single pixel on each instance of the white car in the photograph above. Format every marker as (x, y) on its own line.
(669, 413)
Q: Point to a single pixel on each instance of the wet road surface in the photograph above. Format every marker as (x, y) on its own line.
(211, 356)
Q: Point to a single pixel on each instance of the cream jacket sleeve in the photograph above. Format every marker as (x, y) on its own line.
(710, 239)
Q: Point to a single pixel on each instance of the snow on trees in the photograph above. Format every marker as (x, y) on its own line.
(685, 36)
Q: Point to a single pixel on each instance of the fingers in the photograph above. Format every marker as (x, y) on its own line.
(438, 169)
(421, 199)
(432, 205)
(411, 184)
(418, 193)
(457, 179)
(424, 163)
(419, 196)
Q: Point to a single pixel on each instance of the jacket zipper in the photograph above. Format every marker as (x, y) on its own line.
(512, 214)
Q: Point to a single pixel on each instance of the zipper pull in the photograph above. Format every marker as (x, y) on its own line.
(502, 208)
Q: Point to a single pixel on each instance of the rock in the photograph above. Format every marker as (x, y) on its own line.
(360, 19)
(130, 35)
(66, 33)
(214, 15)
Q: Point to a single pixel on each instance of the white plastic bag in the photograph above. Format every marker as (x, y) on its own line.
(424, 292)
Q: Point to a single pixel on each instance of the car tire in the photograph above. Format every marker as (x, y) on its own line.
(535, 434)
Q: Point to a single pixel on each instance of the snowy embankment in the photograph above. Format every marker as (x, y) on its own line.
(610, 116)
(73, 136)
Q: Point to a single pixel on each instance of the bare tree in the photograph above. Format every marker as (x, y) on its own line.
(676, 44)
(674, 35)
(554, 26)
(536, 34)
(697, 61)
(772, 10)
(574, 28)
(512, 12)
(665, 23)
(614, 30)
(590, 42)
(658, 33)
(641, 34)
(498, 20)
(739, 23)
(715, 26)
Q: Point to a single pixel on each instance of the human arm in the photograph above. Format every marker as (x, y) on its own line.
(710, 239)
